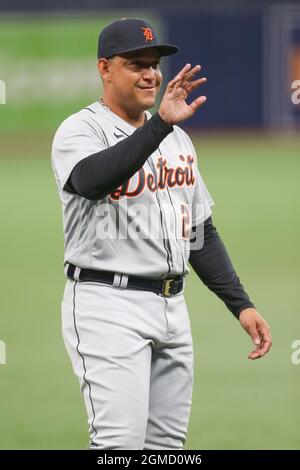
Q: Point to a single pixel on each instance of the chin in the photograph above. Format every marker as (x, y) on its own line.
(149, 103)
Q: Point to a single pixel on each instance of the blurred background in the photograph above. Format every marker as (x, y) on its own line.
(248, 146)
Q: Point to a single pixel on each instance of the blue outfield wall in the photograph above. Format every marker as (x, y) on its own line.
(229, 47)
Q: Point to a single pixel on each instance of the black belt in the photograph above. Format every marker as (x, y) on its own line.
(165, 287)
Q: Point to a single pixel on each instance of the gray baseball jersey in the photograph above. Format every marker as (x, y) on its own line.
(142, 227)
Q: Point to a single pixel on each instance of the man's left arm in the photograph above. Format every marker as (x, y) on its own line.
(214, 267)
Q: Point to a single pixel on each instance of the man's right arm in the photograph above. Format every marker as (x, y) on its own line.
(99, 174)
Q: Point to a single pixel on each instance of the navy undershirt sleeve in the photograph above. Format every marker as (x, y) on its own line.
(101, 173)
(214, 267)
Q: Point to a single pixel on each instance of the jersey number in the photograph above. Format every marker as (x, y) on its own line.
(185, 222)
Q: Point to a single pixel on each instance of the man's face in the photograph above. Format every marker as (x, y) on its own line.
(134, 79)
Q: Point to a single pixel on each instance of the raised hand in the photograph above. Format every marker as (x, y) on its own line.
(173, 107)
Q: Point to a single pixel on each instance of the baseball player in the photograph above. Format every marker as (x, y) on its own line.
(135, 212)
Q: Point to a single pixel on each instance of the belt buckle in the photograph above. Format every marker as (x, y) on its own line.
(168, 286)
(166, 289)
(172, 287)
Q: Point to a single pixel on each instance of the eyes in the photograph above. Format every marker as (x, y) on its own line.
(139, 64)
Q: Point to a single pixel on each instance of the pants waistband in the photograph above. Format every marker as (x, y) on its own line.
(165, 287)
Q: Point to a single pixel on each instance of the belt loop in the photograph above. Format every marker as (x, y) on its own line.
(117, 280)
(66, 267)
(124, 281)
(76, 274)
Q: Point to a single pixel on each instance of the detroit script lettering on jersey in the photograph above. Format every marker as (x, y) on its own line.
(165, 177)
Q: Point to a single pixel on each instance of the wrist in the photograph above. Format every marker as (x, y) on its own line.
(164, 118)
(246, 310)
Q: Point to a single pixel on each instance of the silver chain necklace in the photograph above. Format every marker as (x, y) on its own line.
(103, 104)
(108, 108)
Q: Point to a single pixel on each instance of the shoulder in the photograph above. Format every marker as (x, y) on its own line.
(83, 121)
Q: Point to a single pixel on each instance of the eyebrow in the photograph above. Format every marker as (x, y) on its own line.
(144, 59)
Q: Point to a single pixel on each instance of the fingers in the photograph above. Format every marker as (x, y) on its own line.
(265, 348)
(185, 75)
(195, 84)
(256, 340)
(266, 340)
(263, 340)
(260, 351)
(183, 85)
(191, 74)
(254, 335)
(180, 75)
(179, 88)
(188, 84)
(197, 103)
(259, 331)
(254, 355)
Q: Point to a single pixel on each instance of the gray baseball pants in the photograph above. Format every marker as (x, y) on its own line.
(133, 354)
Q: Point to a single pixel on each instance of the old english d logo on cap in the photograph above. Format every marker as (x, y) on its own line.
(130, 34)
(148, 34)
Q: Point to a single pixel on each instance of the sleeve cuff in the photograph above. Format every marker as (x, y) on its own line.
(239, 311)
(159, 125)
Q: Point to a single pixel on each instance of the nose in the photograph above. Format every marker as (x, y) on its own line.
(149, 73)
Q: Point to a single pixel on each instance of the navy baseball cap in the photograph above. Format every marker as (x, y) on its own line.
(128, 35)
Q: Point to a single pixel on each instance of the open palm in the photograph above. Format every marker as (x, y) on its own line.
(173, 107)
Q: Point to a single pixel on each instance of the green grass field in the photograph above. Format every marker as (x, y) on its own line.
(237, 404)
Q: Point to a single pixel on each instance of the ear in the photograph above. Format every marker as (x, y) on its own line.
(105, 69)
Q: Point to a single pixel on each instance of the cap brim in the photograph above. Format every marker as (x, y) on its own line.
(163, 49)
(167, 49)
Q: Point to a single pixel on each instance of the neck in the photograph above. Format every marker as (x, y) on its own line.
(134, 118)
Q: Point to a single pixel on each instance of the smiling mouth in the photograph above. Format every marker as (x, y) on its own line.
(146, 87)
